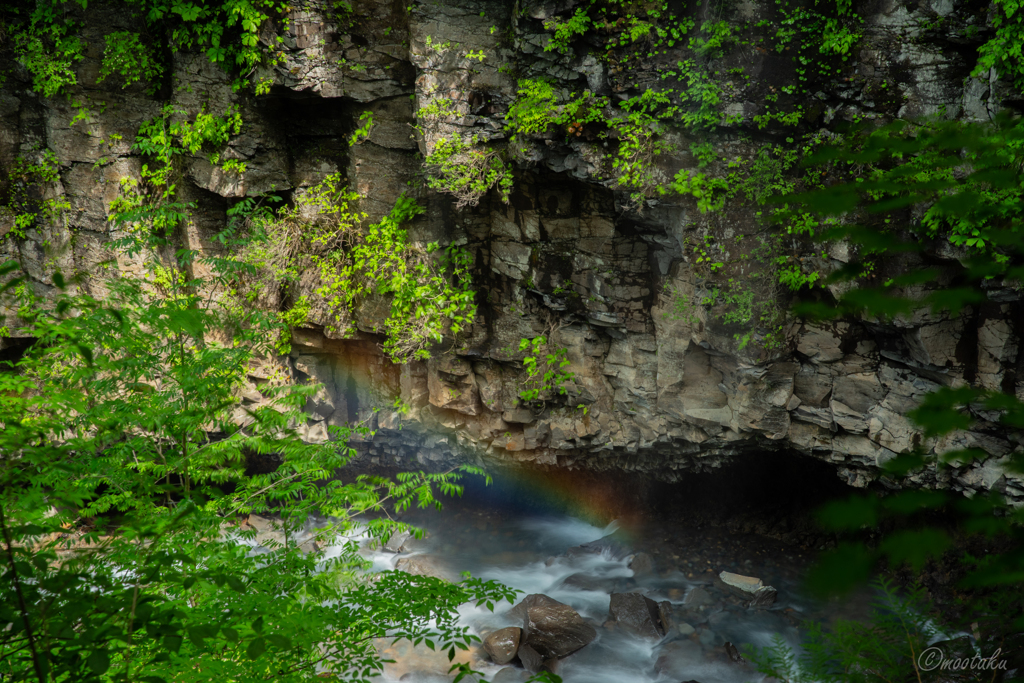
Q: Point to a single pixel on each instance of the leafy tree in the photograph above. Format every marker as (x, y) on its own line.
(123, 461)
(900, 190)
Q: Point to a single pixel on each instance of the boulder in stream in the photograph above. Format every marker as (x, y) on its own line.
(511, 675)
(636, 613)
(396, 543)
(748, 588)
(551, 628)
(502, 644)
(424, 565)
(641, 564)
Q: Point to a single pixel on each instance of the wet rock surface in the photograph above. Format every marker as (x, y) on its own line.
(675, 623)
(551, 628)
(426, 565)
(637, 614)
(398, 541)
(503, 644)
(747, 588)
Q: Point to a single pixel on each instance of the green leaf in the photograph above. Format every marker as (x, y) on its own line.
(915, 547)
(98, 661)
(256, 648)
(839, 571)
(173, 642)
(279, 641)
(854, 513)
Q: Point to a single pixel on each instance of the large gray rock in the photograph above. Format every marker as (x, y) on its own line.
(551, 628)
(637, 614)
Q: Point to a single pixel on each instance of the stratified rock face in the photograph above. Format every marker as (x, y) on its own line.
(664, 380)
(552, 629)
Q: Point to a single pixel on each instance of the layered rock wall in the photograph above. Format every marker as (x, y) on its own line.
(664, 379)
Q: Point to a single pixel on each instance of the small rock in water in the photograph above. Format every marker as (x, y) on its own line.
(502, 644)
(710, 639)
(641, 564)
(698, 597)
(269, 532)
(733, 652)
(748, 588)
(551, 628)
(665, 615)
(636, 613)
(693, 617)
(605, 545)
(683, 629)
(584, 582)
(396, 544)
(423, 565)
(310, 545)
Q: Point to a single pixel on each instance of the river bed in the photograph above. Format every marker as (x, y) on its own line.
(525, 547)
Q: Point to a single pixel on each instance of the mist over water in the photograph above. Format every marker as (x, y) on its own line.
(527, 552)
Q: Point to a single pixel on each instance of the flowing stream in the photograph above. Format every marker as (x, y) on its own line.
(527, 550)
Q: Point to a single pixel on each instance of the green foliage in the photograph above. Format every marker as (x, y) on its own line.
(29, 193)
(710, 191)
(162, 139)
(714, 39)
(1004, 52)
(766, 174)
(430, 288)
(119, 560)
(637, 129)
(465, 169)
(362, 133)
(640, 144)
(960, 182)
(533, 109)
(577, 25)
(886, 648)
(167, 136)
(965, 196)
(47, 46)
(127, 56)
(226, 31)
(282, 245)
(680, 306)
(547, 376)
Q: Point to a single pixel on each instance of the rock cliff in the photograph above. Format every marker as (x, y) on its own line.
(641, 294)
